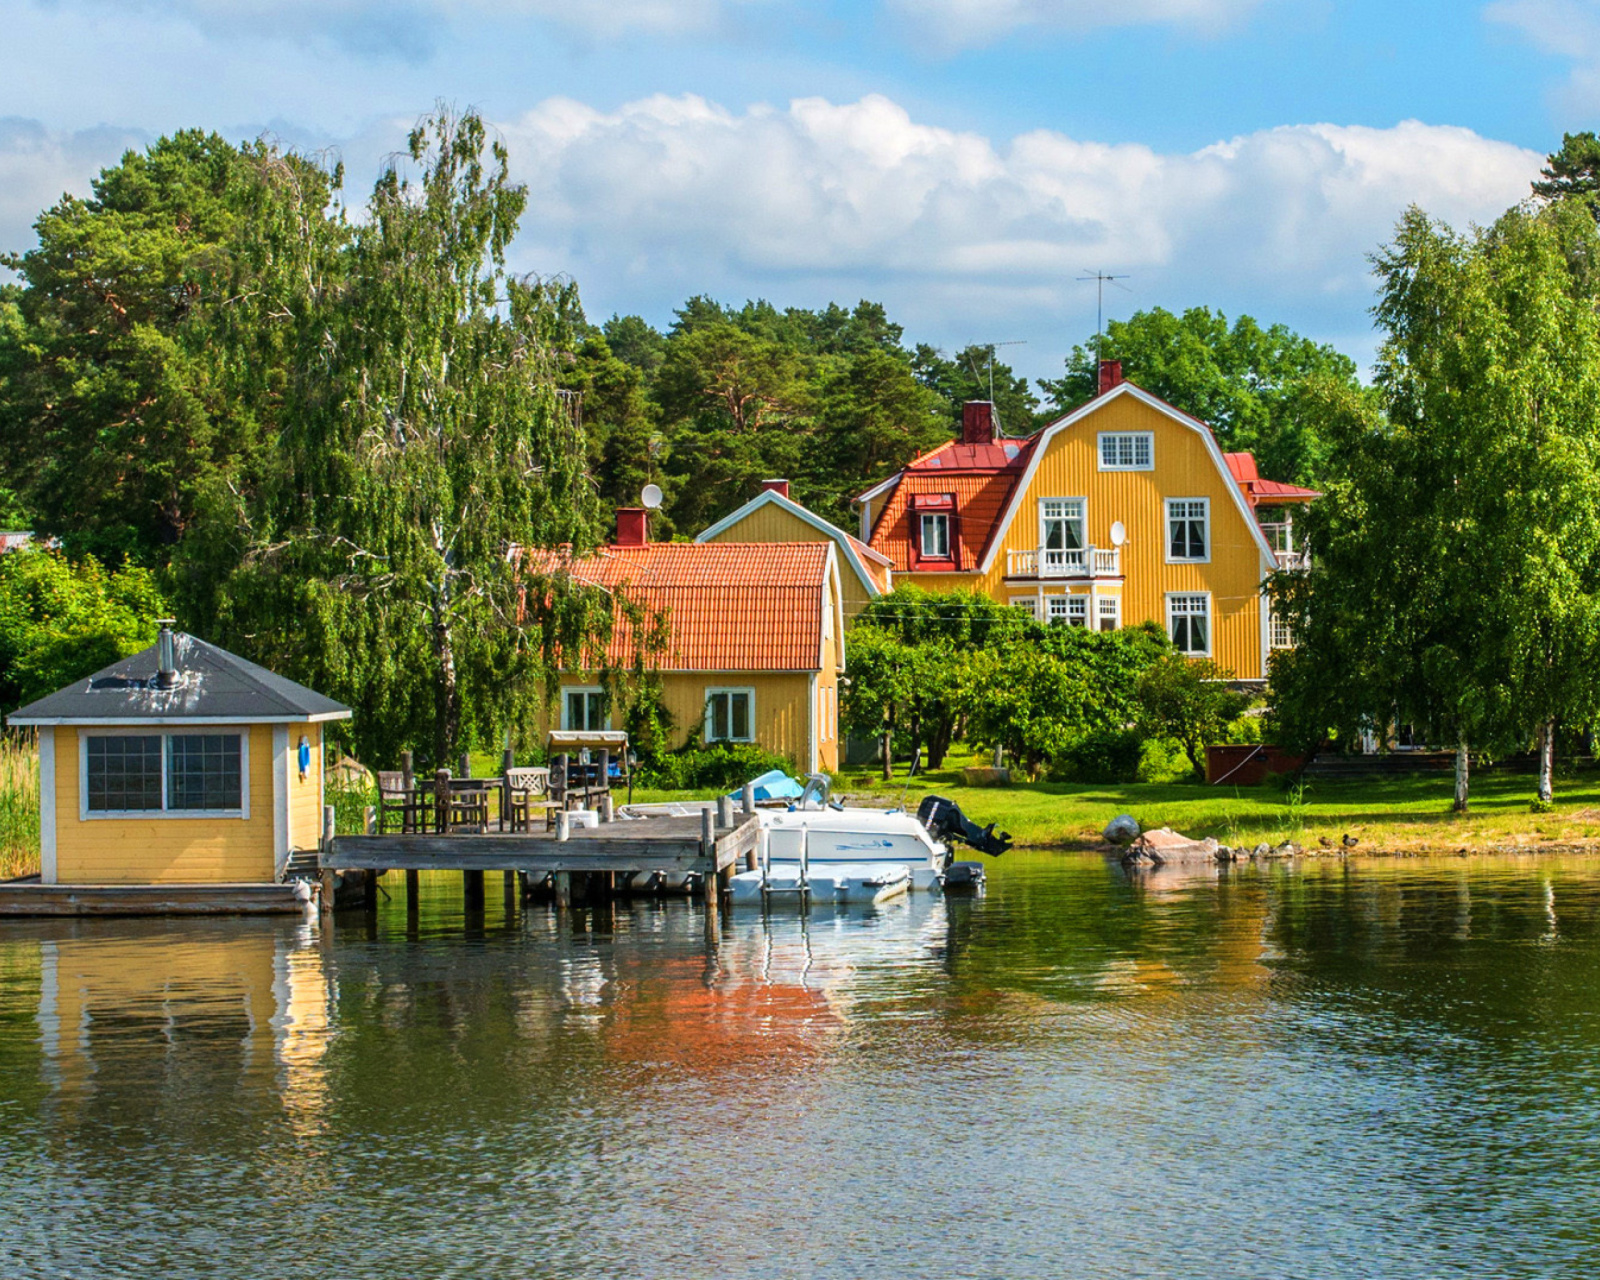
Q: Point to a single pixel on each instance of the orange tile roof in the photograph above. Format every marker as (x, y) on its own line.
(730, 606)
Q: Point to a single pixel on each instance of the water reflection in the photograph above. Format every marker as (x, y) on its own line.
(1341, 1069)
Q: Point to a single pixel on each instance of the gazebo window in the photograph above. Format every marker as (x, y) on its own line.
(173, 773)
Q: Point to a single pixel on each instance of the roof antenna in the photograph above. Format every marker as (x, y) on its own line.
(990, 348)
(1101, 279)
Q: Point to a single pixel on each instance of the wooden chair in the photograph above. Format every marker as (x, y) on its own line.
(409, 809)
(526, 791)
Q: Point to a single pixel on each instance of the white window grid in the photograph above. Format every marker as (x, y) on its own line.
(1189, 623)
(1281, 636)
(1028, 603)
(595, 713)
(1110, 613)
(1062, 532)
(1071, 611)
(729, 703)
(1188, 530)
(1127, 450)
(935, 536)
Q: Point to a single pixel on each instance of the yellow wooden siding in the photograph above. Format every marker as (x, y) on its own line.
(771, 523)
(164, 850)
(1183, 468)
(305, 794)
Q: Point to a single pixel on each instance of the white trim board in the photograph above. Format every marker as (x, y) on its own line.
(47, 807)
(840, 539)
(280, 798)
(127, 722)
(1048, 434)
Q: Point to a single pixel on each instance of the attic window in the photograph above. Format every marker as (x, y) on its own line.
(1127, 451)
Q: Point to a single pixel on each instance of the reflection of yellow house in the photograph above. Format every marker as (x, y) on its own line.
(180, 765)
(772, 516)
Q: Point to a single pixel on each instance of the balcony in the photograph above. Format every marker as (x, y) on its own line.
(1043, 562)
(1280, 537)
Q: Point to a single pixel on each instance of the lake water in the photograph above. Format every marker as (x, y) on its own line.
(1380, 1069)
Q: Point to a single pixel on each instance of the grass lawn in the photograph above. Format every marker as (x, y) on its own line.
(1386, 815)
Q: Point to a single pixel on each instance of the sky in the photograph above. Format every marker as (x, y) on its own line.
(964, 162)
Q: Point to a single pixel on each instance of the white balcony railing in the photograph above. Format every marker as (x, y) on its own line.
(1045, 562)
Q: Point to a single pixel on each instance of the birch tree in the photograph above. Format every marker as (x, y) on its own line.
(422, 443)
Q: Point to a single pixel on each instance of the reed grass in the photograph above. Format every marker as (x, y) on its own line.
(19, 805)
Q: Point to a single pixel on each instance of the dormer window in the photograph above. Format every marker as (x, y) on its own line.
(933, 530)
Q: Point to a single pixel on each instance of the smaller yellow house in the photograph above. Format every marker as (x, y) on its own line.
(183, 764)
(754, 640)
(773, 516)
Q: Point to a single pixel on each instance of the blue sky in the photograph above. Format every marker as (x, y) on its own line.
(962, 160)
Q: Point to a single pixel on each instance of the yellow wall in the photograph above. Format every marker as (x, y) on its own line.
(164, 850)
(1184, 468)
(305, 795)
(771, 523)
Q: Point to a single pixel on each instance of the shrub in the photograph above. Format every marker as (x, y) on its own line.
(1108, 755)
(720, 766)
(19, 805)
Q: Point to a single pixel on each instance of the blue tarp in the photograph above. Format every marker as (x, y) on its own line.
(776, 785)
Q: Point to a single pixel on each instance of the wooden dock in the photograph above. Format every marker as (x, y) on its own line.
(714, 845)
(30, 898)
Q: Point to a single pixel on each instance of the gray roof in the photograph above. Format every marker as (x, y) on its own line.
(213, 685)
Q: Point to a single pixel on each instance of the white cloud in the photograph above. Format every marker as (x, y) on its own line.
(670, 196)
(39, 165)
(1569, 29)
(410, 29)
(964, 23)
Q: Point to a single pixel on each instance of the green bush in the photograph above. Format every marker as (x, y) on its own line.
(720, 766)
(1108, 755)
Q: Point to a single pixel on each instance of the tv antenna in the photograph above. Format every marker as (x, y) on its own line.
(990, 348)
(1101, 280)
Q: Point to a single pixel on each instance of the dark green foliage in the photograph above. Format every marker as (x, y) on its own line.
(1254, 386)
(1573, 172)
(1105, 755)
(61, 621)
(721, 766)
(977, 373)
(1189, 701)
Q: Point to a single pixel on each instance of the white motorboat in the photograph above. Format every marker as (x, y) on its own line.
(824, 851)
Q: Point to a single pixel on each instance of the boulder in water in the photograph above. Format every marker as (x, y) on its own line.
(1121, 830)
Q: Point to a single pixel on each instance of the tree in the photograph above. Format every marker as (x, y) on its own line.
(1033, 705)
(1188, 699)
(1573, 172)
(425, 455)
(61, 621)
(1456, 583)
(112, 413)
(885, 675)
(975, 373)
(1250, 384)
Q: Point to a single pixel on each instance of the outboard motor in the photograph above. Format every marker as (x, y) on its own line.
(945, 821)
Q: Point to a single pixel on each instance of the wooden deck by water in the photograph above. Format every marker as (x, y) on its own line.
(714, 845)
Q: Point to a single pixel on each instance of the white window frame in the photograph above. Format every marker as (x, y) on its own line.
(1067, 610)
(923, 522)
(1029, 604)
(1140, 442)
(1071, 511)
(85, 814)
(1108, 607)
(713, 691)
(588, 690)
(1187, 514)
(1278, 632)
(1180, 604)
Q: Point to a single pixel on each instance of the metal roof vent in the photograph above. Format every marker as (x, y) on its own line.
(166, 657)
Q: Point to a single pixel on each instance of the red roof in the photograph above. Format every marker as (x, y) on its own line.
(1256, 490)
(730, 606)
(981, 478)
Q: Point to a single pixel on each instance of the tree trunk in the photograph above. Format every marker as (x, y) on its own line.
(1462, 763)
(446, 694)
(888, 754)
(1547, 761)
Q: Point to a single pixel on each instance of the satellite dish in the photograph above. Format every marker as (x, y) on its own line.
(651, 497)
(1119, 533)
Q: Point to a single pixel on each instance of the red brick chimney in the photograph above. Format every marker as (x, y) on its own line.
(633, 527)
(1110, 375)
(779, 487)
(977, 422)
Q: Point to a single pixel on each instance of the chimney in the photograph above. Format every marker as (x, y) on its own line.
(779, 487)
(977, 422)
(1110, 375)
(166, 656)
(633, 527)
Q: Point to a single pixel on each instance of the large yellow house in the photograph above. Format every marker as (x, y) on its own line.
(184, 764)
(754, 640)
(1124, 511)
(773, 516)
